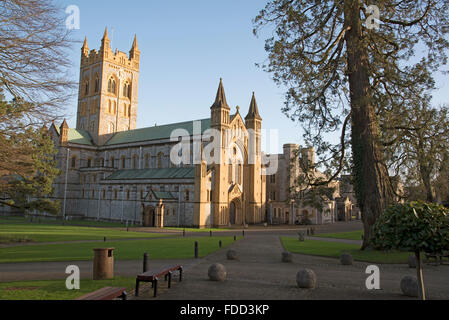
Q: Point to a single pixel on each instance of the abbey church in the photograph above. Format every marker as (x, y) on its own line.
(110, 170)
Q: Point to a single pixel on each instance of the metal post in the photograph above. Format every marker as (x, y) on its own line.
(145, 262)
(123, 199)
(99, 202)
(243, 233)
(235, 238)
(196, 249)
(220, 244)
(66, 175)
(210, 232)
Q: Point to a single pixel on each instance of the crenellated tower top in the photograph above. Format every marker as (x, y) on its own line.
(106, 54)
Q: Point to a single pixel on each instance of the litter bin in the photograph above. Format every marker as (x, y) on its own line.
(103, 264)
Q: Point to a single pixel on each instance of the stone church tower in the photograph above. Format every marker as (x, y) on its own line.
(109, 82)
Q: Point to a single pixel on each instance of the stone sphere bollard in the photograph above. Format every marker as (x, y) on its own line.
(412, 262)
(217, 272)
(409, 286)
(287, 257)
(232, 255)
(306, 279)
(346, 259)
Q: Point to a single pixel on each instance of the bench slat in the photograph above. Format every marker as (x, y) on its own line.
(107, 293)
(151, 275)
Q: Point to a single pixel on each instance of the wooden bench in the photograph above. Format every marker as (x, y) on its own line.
(153, 277)
(437, 256)
(107, 293)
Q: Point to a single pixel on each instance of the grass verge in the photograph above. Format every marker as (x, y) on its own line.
(170, 248)
(56, 289)
(335, 250)
(11, 232)
(353, 235)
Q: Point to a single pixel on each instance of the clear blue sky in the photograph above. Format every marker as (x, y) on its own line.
(186, 46)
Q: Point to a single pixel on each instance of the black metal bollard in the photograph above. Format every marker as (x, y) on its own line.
(308, 232)
(220, 244)
(184, 233)
(235, 238)
(243, 233)
(210, 233)
(104, 239)
(196, 249)
(145, 262)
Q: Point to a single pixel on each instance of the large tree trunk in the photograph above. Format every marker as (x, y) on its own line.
(371, 180)
(425, 177)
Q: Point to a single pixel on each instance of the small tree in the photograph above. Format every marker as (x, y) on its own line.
(416, 227)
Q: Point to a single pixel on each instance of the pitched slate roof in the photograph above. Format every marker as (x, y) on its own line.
(155, 133)
(143, 174)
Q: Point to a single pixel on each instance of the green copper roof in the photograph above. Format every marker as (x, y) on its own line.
(163, 195)
(79, 137)
(155, 133)
(143, 174)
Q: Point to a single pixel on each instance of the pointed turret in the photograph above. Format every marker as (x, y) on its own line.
(220, 100)
(105, 35)
(253, 112)
(85, 47)
(134, 53)
(105, 40)
(64, 132)
(134, 46)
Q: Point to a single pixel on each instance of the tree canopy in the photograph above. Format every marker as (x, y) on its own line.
(34, 85)
(343, 76)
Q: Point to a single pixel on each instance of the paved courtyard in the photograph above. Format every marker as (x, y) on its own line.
(259, 273)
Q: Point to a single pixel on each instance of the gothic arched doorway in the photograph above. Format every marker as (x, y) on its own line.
(149, 217)
(232, 213)
(235, 213)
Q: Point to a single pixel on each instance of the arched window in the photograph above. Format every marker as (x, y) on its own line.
(129, 111)
(111, 128)
(127, 90)
(135, 162)
(111, 86)
(97, 84)
(115, 108)
(159, 160)
(111, 162)
(109, 106)
(73, 164)
(147, 161)
(86, 87)
(123, 162)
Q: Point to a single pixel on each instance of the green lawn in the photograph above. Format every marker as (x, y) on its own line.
(14, 232)
(47, 221)
(56, 289)
(335, 250)
(353, 235)
(174, 248)
(198, 230)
